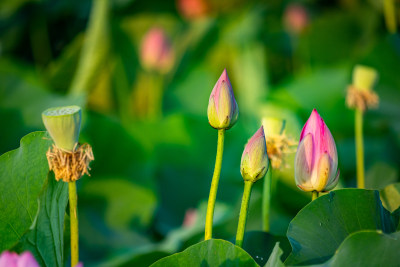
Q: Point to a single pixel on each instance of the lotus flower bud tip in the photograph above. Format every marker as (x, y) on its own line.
(222, 107)
(254, 163)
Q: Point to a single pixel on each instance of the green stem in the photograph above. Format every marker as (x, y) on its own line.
(214, 185)
(359, 148)
(389, 11)
(314, 195)
(73, 213)
(243, 213)
(266, 205)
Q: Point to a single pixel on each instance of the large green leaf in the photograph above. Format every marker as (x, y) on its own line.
(45, 238)
(23, 174)
(214, 252)
(367, 248)
(320, 227)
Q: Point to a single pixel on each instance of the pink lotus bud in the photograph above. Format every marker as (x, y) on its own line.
(316, 161)
(156, 53)
(254, 164)
(11, 259)
(222, 107)
(295, 18)
(192, 9)
(190, 218)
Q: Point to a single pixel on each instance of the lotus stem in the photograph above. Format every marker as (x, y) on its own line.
(214, 185)
(243, 213)
(266, 204)
(73, 214)
(314, 195)
(359, 148)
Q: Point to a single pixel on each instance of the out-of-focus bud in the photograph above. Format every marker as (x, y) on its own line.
(360, 93)
(278, 144)
(192, 9)
(63, 125)
(12, 259)
(156, 53)
(295, 18)
(316, 161)
(222, 107)
(190, 218)
(254, 163)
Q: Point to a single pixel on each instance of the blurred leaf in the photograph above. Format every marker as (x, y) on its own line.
(21, 89)
(321, 226)
(8, 8)
(214, 252)
(380, 175)
(260, 245)
(390, 197)
(23, 174)
(367, 248)
(45, 238)
(275, 257)
(127, 204)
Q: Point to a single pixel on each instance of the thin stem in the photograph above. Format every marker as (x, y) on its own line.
(73, 213)
(314, 195)
(214, 185)
(243, 213)
(359, 148)
(266, 204)
(389, 11)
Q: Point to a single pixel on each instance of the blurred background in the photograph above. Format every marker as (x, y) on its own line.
(144, 70)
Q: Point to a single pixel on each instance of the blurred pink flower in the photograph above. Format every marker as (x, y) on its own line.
(12, 259)
(295, 18)
(316, 161)
(222, 108)
(254, 163)
(190, 218)
(192, 9)
(156, 53)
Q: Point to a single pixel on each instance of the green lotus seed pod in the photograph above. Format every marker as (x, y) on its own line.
(364, 77)
(63, 125)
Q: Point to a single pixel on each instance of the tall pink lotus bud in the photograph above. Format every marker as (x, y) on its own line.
(295, 18)
(11, 259)
(254, 163)
(316, 161)
(156, 53)
(222, 107)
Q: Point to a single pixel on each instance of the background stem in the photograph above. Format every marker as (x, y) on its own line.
(243, 213)
(359, 148)
(73, 213)
(214, 185)
(266, 202)
(314, 195)
(389, 11)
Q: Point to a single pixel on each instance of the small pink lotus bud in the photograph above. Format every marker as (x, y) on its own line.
(192, 9)
(156, 53)
(222, 107)
(316, 161)
(254, 164)
(295, 18)
(190, 218)
(11, 259)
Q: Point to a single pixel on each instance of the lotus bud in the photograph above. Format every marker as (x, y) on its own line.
(254, 164)
(12, 259)
(63, 125)
(296, 18)
(364, 77)
(156, 53)
(193, 9)
(222, 107)
(316, 161)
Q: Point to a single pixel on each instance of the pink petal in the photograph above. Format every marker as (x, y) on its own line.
(8, 259)
(26, 259)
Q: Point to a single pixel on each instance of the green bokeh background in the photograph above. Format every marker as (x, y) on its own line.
(150, 170)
